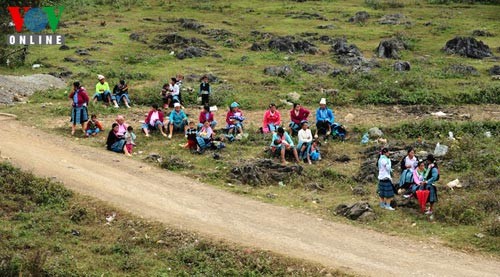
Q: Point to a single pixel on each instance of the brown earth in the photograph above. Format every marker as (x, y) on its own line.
(179, 201)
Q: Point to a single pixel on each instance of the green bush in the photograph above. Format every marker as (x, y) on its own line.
(459, 210)
(485, 95)
(432, 128)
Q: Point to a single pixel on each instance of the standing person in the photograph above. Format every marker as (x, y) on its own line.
(94, 126)
(122, 126)
(234, 119)
(431, 176)
(79, 101)
(272, 119)
(297, 115)
(177, 120)
(120, 92)
(324, 119)
(385, 189)
(282, 142)
(165, 92)
(154, 121)
(179, 79)
(130, 139)
(305, 140)
(173, 97)
(206, 115)
(115, 142)
(205, 91)
(103, 92)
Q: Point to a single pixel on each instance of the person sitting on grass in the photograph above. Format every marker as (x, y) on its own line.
(204, 137)
(282, 142)
(207, 115)
(204, 91)
(120, 92)
(191, 134)
(79, 102)
(234, 119)
(314, 153)
(122, 126)
(297, 115)
(305, 141)
(272, 119)
(94, 126)
(385, 189)
(115, 142)
(173, 96)
(177, 120)
(430, 176)
(324, 119)
(103, 92)
(154, 121)
(130, 139)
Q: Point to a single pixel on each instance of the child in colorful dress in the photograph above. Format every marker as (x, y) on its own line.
(130, 139)
(94, 126)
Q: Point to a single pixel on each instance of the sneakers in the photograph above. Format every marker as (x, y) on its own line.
(406, 196)
(169, 136)
(428, 212)
(382, 205)
(388, 207)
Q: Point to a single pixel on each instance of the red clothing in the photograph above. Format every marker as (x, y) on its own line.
(271, 118)
(83, 97)
(231, 113)
(148, 118)
(97, 123)
(203, 117)
(302, 115)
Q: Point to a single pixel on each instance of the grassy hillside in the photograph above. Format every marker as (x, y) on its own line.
(428, 87)
(47, 230)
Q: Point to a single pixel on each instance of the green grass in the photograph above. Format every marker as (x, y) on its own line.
(38, 220)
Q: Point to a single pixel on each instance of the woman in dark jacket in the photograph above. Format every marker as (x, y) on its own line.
(115, 142)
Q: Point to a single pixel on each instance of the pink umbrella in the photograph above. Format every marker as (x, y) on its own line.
(422, 196)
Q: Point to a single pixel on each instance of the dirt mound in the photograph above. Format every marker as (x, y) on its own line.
(263, 172)
(14, 88)
(468, 47)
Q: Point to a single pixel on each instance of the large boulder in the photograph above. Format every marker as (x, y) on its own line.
(191, 24)
(319, 68)
(495, 70)
(468, 47)
(349, 54)
(292, 45)
(191, 52)
(15, 88)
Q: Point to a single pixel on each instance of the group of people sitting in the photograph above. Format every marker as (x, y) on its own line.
(103, 93)
(417, 180)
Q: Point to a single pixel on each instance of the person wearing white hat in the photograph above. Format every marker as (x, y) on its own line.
(177, 120)
(324, 119)
(103, 92)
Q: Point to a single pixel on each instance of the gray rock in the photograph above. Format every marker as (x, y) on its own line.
(82, 52)
(495, 70)
(314, 186)
(461, 69)
(292, 45)
(70, 59)
(375, 132)
(354, 211)
(319, 68)
(349, 54)
(257, 47)
(138, 37)
(402, 66)
(325, 27)
(481, 33)
(468, 47)
(388, 48)
(280, 71)
(64, 47)
(367, 216)
(190, 24)
(359, 17)
(191, 52)
(359, 190)
(394, 19)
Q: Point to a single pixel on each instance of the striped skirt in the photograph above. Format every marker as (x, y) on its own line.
(385, 189)
(79, 115)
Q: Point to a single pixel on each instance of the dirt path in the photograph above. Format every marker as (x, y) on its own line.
(182, 202)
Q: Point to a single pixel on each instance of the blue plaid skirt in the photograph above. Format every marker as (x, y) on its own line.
(79, 115)
(385, 189)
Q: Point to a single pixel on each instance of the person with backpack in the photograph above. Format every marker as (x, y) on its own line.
(385, 189)
(324, 119)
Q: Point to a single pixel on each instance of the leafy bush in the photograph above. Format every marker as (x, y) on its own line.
(459, 210)
(431, 128)
(485, 95)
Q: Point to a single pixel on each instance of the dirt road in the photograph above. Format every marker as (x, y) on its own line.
(182, 202)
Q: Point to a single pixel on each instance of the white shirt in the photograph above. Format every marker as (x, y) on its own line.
(411, 162)
(384, 168)
(305, 135)
(154, 117)
(175, 89)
